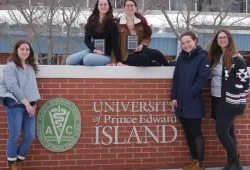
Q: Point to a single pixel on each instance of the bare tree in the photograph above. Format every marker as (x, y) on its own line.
(70, 15)
(196, 15)
(31, 15)
(49, 14)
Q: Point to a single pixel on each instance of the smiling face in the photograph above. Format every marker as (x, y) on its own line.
(103, 6)
(130, 8)
(223, 40)
(188, 44)
(23, 51)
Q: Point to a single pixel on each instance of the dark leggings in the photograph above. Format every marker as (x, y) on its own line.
(224, 127)
(195, 139)
(145, 58)
(226, 135)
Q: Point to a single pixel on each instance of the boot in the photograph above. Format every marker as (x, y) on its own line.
(14, 166)
(235, 165)
(19, 165)
(190, 165)
(197, 166)
(229, 163)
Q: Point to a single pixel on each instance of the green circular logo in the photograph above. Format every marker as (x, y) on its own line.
(58, 125)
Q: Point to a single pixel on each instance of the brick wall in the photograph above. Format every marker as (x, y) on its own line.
(4, 57)
(86, 155)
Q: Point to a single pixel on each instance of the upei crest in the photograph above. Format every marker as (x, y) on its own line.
(58, 125)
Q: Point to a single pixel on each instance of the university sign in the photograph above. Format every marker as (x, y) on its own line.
(58, 125)
(146, 124)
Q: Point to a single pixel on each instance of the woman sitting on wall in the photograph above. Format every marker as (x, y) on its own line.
(134, 38)
(101, 37)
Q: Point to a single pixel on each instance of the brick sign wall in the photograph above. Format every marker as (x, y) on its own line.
(141, 138)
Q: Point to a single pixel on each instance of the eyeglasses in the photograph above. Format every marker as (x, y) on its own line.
(129, 5)
(103, 5)
(223, 38)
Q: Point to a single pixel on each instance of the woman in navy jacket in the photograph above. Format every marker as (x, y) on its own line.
(190, 76)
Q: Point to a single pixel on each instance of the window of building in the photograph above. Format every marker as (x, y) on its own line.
(186, 5)
(70, 3)
(155, 5)
(44, 2)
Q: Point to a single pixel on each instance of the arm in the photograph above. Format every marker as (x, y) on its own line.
(115, 44)
(242, 73)
(13, 87)
(203, 74)
(87, 39)
(175, 81)
(145, 41)
(11, 81)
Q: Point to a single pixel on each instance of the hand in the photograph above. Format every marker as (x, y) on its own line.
(31, 110)
(98, 52)
(121, 64)
(111, 64)
(139, 48)
(174, 102)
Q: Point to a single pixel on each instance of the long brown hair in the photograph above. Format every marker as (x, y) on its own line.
(93, 20)
(31, 60)
(144, 22)
(215, 50)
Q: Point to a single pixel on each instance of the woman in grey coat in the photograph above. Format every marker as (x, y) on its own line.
(20, 80)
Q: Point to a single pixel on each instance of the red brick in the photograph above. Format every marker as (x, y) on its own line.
(59, 80)
(85, 86)
(94, 81)
(134, 86)
(71, 162)
(69, 86)
(51, 86)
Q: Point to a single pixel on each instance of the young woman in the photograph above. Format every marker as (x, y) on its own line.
(190, 76)
(20, 80)
(229, 90)
(134, 23)
(100, 25)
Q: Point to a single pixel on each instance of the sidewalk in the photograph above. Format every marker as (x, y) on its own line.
(244, 168)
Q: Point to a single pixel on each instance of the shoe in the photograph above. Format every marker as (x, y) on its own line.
(197, 166)
(229, 163)
(19, 165)
(14, 166)
(235, 165)
(190, 165)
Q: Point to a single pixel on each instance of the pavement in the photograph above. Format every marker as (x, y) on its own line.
(216, 168)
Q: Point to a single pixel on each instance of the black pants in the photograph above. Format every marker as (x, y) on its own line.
(225, 127)
(146, 57)
(195, 139)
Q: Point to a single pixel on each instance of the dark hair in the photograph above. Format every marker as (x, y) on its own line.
(93, 19)
(191, 34)
(147, 28)
(215, 50)
(31, 60)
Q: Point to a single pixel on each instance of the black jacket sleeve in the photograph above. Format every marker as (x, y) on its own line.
(241, 73)
(203, 74)
(87, 39)
(175, 81)
(114, 41)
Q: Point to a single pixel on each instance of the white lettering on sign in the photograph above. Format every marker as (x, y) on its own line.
(110, 134)
(143, 128)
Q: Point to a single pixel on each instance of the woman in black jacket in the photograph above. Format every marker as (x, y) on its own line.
(229, 90)
(190, 76)
(102, 27)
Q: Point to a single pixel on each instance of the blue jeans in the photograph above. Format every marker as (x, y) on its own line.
(87, 58)
(18, 119)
